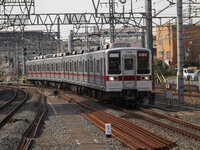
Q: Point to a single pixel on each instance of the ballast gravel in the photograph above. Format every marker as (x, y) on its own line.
(10, 134)
(55, 135)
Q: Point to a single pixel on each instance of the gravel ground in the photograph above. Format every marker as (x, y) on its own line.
(183, 142)
(55, 130)
(10, 134)
(54, 134)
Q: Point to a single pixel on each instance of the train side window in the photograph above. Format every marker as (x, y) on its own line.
(80, 66)
(77, 66)
(83, 66)
(70, 69)
(91, 66)
(44, 67)
(47, 67)
(56, 66)
(98, 68)
(86, 66)
(66, 66)
(101, 66)
(74, 66)
(94, 63)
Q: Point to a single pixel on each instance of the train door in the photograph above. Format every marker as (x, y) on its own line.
(128, 71)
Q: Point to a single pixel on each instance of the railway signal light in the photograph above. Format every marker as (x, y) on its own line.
(24, 52)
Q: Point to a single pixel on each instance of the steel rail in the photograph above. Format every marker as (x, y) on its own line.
(131, 135)
(134, 128)
(135, 132)
(197, 137)
(170, 118)
(132, 144)
(6, 119)
(27, 138)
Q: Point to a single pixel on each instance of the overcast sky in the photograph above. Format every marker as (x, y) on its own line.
(68, 6)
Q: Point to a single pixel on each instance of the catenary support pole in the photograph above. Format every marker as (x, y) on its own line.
(58, 36)
(180, 81)
(149, 36)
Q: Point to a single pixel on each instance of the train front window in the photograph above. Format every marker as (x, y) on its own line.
(128, 64)
(143, 65)
(114, 63)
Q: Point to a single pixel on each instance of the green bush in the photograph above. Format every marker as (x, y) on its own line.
(167, 71)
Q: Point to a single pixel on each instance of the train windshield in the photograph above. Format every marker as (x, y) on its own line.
(143, 65)
(114, 62)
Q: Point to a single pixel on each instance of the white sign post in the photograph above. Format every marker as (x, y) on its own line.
(108, 129)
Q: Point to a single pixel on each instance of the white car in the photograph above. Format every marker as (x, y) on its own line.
(188, 73)
(196, 75)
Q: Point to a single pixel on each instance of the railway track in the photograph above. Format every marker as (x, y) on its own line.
(152, 120)
(128, 133)
(187, 124)
(9, 109)
(155, 114)
(33, 129)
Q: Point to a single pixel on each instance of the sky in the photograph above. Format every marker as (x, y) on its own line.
(60, 6)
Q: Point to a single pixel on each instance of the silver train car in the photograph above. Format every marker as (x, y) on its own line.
(118, 74)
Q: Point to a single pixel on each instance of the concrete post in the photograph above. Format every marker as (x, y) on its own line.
(180, 54)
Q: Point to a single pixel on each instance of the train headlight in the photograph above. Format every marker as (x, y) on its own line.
(146, 77)
(111, 78)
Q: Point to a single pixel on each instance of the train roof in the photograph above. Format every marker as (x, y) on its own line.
(56, 56)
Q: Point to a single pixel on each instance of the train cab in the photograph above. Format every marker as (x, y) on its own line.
(129, 73)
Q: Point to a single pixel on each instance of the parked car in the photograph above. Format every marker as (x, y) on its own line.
(196, 75)
(187, 73)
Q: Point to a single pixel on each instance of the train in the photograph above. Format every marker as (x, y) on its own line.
(120, 73)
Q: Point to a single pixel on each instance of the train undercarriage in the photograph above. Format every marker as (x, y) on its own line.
(126, 97)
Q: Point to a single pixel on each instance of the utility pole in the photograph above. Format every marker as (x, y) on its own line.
(23, 56)
(17, 60)
(149, 41)
(112, 19)
(9, 47)
(70, 42)
(58, 36)
(180, 80)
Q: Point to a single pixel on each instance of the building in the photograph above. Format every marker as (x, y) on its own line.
(35, 42)
(166, 39)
